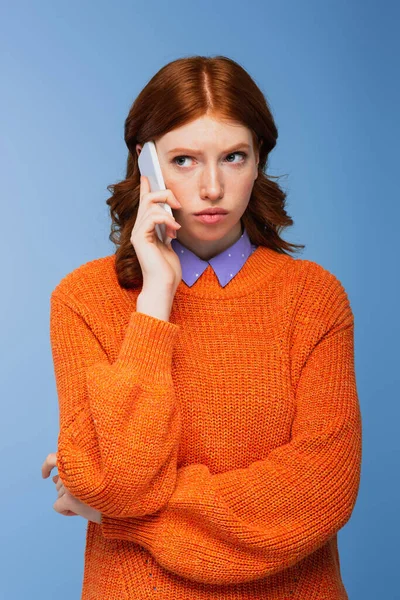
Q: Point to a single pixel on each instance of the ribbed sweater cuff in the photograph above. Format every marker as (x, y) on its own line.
(143, 530)
(147, 347)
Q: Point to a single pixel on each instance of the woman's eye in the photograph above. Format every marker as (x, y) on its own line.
(180, 158)
(242, 154)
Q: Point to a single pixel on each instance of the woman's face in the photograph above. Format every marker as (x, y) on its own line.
(208, 163)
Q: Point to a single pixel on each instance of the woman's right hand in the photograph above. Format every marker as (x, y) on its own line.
(159, 263)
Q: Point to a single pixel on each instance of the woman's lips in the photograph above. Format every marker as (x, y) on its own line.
(209, 219)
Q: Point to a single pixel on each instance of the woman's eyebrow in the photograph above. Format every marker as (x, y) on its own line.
(194, 151)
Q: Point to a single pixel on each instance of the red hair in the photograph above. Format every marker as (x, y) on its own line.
(196, 86)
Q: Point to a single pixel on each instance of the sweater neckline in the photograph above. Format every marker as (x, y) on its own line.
(258, 268)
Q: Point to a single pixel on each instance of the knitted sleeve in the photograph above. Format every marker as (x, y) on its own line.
(249, 523)
(119, 427)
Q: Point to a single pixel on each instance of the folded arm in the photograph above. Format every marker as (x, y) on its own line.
(248, 523)
(119, 426)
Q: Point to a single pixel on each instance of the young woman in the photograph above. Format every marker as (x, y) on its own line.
(210, 429)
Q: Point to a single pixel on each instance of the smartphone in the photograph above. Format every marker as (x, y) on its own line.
(150, 167)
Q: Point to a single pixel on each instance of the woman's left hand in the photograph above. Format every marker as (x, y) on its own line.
(66, 504)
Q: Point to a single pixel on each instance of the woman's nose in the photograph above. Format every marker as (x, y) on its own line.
(211, 184)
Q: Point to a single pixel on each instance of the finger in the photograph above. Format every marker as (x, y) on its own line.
(166, 196)
(49, 464)
(169, 233)
(171, 224)
(158, 218)
(61, 491)
(61, 506)
(59, 484)
(144, 186)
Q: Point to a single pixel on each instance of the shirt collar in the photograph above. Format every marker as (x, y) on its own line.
(225, 265)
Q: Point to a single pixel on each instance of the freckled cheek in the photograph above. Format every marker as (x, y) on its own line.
(183, 192)
(244, 189)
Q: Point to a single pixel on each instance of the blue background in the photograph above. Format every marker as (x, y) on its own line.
(70, 73)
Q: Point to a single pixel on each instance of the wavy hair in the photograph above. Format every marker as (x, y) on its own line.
(195, 86)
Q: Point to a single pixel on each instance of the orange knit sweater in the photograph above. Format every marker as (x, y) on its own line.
(223, 447)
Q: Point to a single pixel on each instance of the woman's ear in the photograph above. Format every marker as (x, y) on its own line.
(138, 149)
